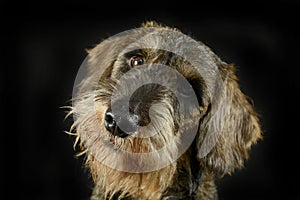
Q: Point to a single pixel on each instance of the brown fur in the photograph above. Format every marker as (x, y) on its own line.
(180, 179)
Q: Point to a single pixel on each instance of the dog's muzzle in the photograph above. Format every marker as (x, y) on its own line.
(121, 126)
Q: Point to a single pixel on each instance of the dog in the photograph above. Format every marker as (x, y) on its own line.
(126, 121)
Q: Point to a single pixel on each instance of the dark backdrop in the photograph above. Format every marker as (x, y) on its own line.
(43, 47)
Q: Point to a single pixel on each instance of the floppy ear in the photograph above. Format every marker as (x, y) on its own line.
(232, 128)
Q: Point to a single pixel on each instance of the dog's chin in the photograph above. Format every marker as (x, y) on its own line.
(150, 185)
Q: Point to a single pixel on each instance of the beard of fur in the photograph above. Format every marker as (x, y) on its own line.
(149, 185)
(93, 137)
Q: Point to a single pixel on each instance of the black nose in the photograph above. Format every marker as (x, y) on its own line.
(120, 126)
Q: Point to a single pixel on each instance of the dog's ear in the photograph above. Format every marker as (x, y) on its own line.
(227, 133)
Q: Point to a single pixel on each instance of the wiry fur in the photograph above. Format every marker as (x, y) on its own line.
(235, 119)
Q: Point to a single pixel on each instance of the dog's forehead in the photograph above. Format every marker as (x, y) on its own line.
(204, 61)
(155, 39)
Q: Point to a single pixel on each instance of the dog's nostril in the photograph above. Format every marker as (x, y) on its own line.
(120, 126)
(109, 121)
(109, 118)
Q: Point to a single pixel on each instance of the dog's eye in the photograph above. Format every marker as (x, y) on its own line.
(136, 60)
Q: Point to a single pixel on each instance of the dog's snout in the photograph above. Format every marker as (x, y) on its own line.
(121, 126)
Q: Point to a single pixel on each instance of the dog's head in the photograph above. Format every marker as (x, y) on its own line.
(130, 107)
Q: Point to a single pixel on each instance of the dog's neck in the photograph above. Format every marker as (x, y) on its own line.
(190, 182)
(201, 189)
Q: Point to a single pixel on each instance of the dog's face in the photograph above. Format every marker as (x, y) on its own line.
(120, 120)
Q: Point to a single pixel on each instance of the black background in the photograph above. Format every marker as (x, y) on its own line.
(43, 45)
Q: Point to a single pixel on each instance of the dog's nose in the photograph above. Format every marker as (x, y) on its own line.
(120, 126)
